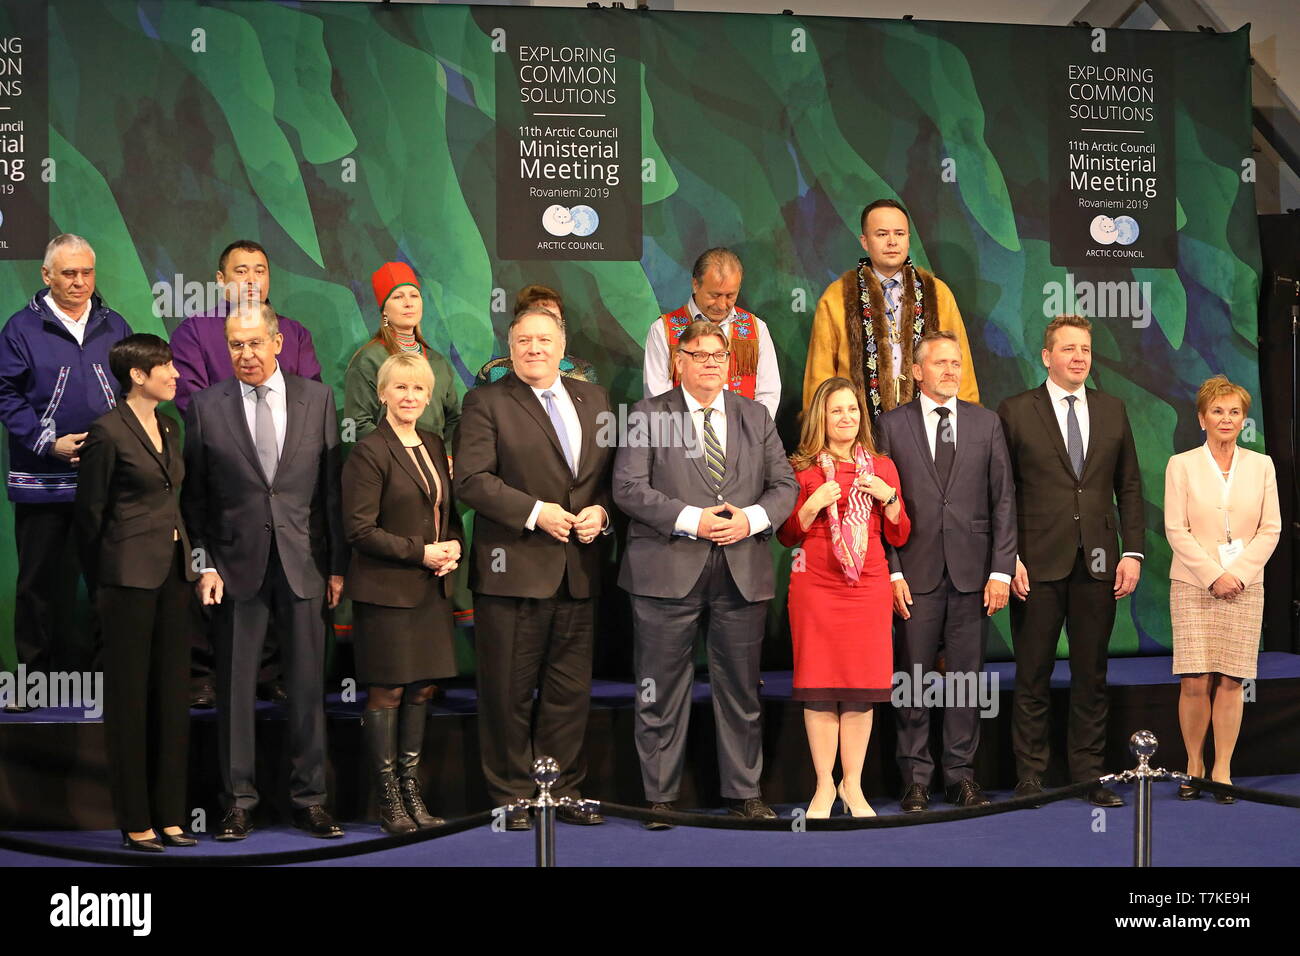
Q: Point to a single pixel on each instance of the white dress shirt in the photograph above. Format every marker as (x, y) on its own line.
(76, 326)
(276, 399)
(569, 415)
(688, 522)
(657, 377)
(893, 302)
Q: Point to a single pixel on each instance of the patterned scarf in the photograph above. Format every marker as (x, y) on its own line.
(880, 362)
(849, 535)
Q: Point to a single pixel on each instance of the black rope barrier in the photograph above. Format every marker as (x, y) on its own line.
(1242, 793)
(784, 824)
(187, 857)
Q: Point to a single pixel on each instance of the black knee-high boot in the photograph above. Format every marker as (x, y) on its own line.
(410, 742)
(379, 731)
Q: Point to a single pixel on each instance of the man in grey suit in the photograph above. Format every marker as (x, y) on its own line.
(261, 502)
(703, 502)
(955, 570)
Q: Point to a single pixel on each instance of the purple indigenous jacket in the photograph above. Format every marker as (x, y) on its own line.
(202, 357)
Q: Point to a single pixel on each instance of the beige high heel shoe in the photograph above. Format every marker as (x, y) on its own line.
(816, 812)
(861, 810)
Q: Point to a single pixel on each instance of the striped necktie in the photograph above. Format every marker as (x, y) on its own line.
(713, 453)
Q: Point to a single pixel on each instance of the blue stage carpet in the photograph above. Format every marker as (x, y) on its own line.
(1198, 833)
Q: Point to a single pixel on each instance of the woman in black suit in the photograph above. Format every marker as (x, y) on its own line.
(406, 540)
(137, 557)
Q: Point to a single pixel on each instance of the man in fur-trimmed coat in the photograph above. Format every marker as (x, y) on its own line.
(898, 301)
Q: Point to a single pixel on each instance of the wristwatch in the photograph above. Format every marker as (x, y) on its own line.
(892, 498)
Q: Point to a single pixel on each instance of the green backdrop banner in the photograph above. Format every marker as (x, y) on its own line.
(344, 135)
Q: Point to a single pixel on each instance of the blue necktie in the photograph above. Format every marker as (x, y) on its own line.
(891, 300)
(553, 411)
(1074, 437)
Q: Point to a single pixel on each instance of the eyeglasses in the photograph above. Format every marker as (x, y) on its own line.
(255, 345)
(699, 358)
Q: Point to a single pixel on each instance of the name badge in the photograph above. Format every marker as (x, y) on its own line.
(1230, 552)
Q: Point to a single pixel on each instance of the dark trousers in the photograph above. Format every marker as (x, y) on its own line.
(526, 648)
(663, 655)
(146, 706)
(45, 632)
(957, 621)
(202, 659)
(1086, 607)
(240, 627)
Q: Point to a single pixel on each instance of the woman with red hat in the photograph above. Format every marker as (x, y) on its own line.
(397, 291)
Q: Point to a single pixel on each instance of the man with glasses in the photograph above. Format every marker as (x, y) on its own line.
(703, 502)
(199, 347)
(54, 381)
(752, 369)
(262, 504)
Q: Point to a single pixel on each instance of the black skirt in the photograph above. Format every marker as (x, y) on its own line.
(402, 645)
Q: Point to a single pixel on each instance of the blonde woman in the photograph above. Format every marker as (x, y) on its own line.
(1223, 521)
(406, 541)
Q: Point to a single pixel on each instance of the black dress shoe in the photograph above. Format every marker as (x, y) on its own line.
(177, 839)
(1030, 786)
(144, 846)
(752, 808)
(659, 824)
(967, 793)
(915, 798)
(273, 691)
(1104, 797)
(314, 821)
(1188, 792)
(1224, 798)
(203, 696)
(235, 825)
(578, 815)
(518, 818)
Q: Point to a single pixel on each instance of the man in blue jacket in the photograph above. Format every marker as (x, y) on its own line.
(54, 381)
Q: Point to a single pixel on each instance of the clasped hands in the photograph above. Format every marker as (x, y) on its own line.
(443, 557)
(1227, 586)
(723, 530)
(559, 524)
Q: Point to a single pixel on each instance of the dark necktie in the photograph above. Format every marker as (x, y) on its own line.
(945, 445)
(1074, 437)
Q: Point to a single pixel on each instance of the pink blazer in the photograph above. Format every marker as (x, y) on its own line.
(1194, 515)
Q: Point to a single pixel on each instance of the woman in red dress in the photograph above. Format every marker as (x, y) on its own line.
(840, 596)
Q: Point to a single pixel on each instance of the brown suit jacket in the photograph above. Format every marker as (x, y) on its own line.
(388, 519)
(127, 507)
(508, 457)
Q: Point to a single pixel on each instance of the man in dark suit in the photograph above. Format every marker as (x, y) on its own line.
(705, 490)
(1073, 458)
(955, 570)
(262, 507)
(531, 463)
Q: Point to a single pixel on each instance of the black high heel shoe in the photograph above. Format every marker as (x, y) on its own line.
(144, 846)
(177, 839)
(1188, 792)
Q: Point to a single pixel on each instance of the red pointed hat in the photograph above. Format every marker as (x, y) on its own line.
(388, 277)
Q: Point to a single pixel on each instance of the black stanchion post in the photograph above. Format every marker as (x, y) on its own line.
(1143, 745)
(546, 770)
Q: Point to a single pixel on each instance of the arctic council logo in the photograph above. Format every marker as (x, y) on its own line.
(578, 221)
(1122, 229)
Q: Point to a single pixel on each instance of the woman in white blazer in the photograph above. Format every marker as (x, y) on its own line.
(1223, 521)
